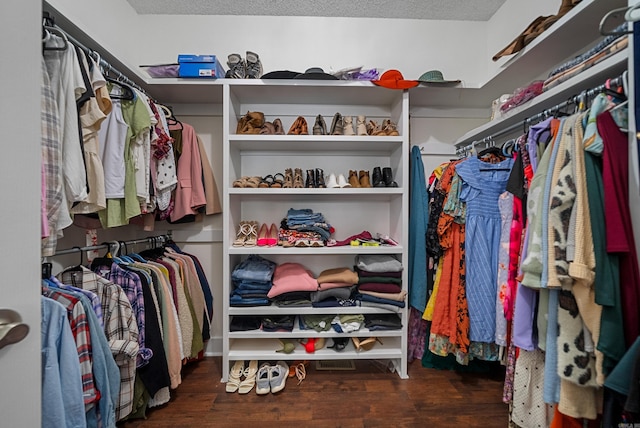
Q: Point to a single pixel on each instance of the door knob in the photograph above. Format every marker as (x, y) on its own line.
(12, 330)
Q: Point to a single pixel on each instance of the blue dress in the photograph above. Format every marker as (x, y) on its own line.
(482, 185)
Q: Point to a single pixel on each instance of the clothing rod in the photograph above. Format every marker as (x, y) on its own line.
(101, 62)
(582, 97)
(149, 239)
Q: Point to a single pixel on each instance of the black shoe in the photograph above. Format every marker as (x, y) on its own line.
(311, 180)
(387, 176)
(377, 178)
(339, 343)
(320, 178)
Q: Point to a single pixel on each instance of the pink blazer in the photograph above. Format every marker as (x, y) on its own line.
(189, 193)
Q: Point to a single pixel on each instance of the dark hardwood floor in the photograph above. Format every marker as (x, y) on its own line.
(370, 396)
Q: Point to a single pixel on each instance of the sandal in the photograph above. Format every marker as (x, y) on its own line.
(252, 234)
(253, 182)
(266, 181)
(249, 380)
(277, 180)
(234, 376)
(240, 182)
(365, 344)
(298, 182)
(241, 235)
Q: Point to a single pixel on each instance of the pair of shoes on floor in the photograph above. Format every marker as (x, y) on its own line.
(271, 378)
(247, 235)
(334, 182)
(267, 235)
(240, 68)
(242, 379)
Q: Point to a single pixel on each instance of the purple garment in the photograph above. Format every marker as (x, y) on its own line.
(538, 132)
(523, 318)
(132, 287)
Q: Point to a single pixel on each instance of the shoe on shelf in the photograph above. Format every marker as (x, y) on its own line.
(288, 178)
(263, 378)
(266, 182)
(353, 178)
(311, 179)
(278, 181)
(263, 236)
(236, 372)
(320, 179)
(389, 128)
(348, 126)
(278, 376)
(268, 128)
(337, 125)
(376, 177)
(242, 234)
(253, 66)
(237, 67)
(277, 123)
(387, 177)
(250, 123)
(363, 177)
(298, 181)
(332, 182)
(272, 240)
(339, 343)
(247, 384)
(299, 127)
(361, 128)
(342, 182)
(252, 235)
(320, 127)
(365, 344)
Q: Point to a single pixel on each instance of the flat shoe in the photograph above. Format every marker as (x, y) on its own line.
(278, 376)
(263, 377)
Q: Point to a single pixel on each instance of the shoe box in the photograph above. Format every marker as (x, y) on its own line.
(200, 66)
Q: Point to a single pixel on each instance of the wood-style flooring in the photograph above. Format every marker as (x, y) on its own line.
(370, 396)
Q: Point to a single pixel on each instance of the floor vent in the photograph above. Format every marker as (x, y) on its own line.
(335, 365)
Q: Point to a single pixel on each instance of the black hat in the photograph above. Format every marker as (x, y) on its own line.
(316, 73)
(281, 74)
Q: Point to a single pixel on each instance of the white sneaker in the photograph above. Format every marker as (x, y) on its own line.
(278, 376)
(331, 182)
(263, 379)
(342, 182)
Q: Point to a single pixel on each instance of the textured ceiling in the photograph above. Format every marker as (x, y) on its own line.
(464, 10)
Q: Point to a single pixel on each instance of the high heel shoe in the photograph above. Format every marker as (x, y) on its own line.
(365, 344)
(348, 126)
(298, 181)
(320, 127)
(361, 128)
(288, 178)
(249, 381)
(241, 235)
(252, 235)
(272, 241)
(337, 125)
(277, 124)
(263, 236)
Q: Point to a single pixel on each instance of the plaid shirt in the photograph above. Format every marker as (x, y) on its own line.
(51, 160)
(80, 329)
(132, 287)
(120, 329)
(73, 284)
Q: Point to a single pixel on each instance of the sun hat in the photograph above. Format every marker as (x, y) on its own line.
(435, 77)
(316, 73)
(281, 74)
(393, 79)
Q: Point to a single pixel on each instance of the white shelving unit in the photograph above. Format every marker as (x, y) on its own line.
(350, 210)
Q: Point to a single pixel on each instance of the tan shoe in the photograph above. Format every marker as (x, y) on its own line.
(353, 178)
(364, 179)
(361, 128)
(348, 126)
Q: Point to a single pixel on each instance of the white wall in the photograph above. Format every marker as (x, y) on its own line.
(20, 73)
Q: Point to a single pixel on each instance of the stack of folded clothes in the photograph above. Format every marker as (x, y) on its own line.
(610, 45)
(278, 323)
(347, 323)
(380, 282)
(304, 228)
(335, 287)
(377, 322)
(252, 280)
(319, 322)
(292, 285)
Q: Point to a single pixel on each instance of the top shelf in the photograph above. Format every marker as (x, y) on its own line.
(570, 35)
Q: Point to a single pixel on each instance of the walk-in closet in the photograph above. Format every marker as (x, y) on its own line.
(224, 213)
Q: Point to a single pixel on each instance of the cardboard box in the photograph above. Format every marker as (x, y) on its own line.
(200, 66)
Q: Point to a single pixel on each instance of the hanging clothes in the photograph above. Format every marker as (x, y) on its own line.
(419, 218)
